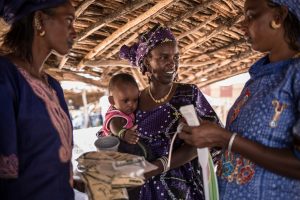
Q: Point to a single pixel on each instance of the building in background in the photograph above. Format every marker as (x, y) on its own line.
(222, 95)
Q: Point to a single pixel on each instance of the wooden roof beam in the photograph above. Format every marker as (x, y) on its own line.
(133, 5)
(71, 76)
(214, 33)
(197, 28)
(83, 6)
(125, 63)
(235, 58)
(161, 5)
(126, 42)
(221, 64)
(191, 12)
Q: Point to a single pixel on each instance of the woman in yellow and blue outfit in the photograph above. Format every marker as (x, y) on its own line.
(261, 158)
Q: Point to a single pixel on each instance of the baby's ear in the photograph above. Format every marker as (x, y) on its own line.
(111, 100)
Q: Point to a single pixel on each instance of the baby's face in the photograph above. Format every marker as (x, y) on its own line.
(126, 98)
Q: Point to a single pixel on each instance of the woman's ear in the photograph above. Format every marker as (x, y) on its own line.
(281, 14)
(111, 100)
(38, 23)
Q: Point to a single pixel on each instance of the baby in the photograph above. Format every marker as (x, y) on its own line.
(119, 119)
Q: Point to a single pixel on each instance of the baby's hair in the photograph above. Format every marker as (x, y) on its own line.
(122, 78)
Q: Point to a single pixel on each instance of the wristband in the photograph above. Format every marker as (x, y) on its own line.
(231, 142)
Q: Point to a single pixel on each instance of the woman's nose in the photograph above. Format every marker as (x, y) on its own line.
(73, 33)
(171, 63)
(244, 24)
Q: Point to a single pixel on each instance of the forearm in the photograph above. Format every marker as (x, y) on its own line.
(280, 161)
(179, 157)
(183, 155)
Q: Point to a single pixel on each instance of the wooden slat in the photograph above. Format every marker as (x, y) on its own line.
(83, 6)
(131, 6)
(214, 33)
(152, 11)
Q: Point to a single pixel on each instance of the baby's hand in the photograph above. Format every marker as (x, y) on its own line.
(131, 136)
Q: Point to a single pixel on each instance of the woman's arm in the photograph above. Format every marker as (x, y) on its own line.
(181, 156)
(280, 161)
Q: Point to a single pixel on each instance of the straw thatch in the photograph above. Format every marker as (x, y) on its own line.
(211, 44)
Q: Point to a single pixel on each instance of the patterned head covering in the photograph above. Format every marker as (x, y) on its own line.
(13, 10)
(138, 51)
(292, 5)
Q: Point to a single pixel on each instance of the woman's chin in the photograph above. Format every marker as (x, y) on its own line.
(62, 52)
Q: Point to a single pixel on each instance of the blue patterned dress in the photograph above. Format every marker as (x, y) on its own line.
(265, 112)
(157, 127)
(35, 138)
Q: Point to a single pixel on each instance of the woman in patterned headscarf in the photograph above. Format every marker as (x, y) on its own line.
(261, 142)
(158, 116)
(35, 128)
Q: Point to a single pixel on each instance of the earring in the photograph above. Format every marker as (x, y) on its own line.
(38, 27)
(274, 25)
(42, 33)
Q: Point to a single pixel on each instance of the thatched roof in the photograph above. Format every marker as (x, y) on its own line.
(211, 44)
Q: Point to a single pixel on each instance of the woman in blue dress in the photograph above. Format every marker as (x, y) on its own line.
(261, 158)
(35, 128)
(158, 116)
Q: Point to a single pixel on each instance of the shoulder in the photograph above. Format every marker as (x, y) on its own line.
(55, 84)
(187, 89)
(185, 86)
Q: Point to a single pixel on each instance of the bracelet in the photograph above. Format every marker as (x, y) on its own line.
(120, 134)
(164, 162)
(231, 142)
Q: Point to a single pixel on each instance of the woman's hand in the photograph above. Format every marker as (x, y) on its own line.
(208, 134)
(155, 172)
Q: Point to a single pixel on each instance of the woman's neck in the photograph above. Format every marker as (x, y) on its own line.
(35, 66)
(159, 89)
(281, 52)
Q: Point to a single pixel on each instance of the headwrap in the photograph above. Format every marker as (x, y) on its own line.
(148, 40)
(292, 5)
(13, 10)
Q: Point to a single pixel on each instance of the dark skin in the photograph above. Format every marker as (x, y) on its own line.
(124, 97)
(257, 26)
(162, 64)
(130, 136)
(59, 37)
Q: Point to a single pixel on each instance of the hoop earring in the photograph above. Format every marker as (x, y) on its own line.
(42, 33)
(274, 25)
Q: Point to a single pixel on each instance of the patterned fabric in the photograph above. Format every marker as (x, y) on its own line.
(266, 112)
(34, 154)
(9, 166)
(156, 128)
(59, 118)
(137, 52)
(113, 112)
(13, 10)
(293, 6)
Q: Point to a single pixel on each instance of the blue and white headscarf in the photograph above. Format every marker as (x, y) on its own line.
(13, 10)
(292, 5)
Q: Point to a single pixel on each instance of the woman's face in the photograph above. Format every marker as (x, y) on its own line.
(257, 25)
(60, 33)
(162, 62)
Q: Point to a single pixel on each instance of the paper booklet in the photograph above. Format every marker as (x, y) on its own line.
(205, 160)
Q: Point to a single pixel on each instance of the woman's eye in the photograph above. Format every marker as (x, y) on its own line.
(69, 21)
